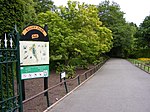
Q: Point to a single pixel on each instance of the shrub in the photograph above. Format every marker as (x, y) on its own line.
(69, 69)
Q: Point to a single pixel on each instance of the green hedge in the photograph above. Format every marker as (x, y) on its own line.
(145, 53)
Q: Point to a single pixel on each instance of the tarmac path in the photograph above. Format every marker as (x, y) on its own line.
(118, 86)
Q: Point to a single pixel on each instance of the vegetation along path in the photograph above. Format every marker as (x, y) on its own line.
(118, 86)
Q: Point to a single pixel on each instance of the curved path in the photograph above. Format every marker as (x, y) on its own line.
(118, 86)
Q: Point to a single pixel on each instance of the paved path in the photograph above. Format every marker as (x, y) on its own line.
(117, 87)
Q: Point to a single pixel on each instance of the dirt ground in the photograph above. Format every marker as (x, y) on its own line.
(34, 86)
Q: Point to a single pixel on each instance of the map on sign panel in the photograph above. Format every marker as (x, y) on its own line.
(34, 53)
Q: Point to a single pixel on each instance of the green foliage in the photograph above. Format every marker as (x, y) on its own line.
(110, 14)
(58, 33)
(145, 26)
(6, 84)
(143, 34)
(43, 5)
(142, 40)
(91, 39)
(10, 14)
(100, 60)
(140, 53)
(79, 63)
(19, 12)
(79, 33)
(29, 13)
(76, 34)
(69, 69)
(123, 32)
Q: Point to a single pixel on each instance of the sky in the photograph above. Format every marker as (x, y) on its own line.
(135, 10)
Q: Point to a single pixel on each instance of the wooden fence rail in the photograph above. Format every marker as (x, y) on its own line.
(77, 78)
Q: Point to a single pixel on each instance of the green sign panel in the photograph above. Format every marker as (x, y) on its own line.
(30, 72)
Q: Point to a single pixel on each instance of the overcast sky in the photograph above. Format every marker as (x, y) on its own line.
(136, 10)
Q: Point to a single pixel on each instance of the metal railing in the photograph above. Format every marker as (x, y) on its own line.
(141, 65)
(10, 96)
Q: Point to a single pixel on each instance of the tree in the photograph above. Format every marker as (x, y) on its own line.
(43, 5)
(19, 12)
(128, 39)
(113, 18)
(29, 13)
(84, 22)
(143, 33)
(110, 14)
(142, 39)
(76, 33)
(58, 31)
(10, 14)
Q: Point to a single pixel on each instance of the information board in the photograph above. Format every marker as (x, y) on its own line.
(30, 72)
(34, 52)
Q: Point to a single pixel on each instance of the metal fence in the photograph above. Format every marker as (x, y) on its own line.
(141, 65)
(65, 84)
(10, 86)
(10, 81)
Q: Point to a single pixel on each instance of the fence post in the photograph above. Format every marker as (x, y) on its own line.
(10, 99)
(1, 87)
(85, 75)
(78, 80)
(46, 93)
(23, 90)
(65, 83)
(18, 70)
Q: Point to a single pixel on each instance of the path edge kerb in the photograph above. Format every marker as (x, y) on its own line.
(48, 109)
